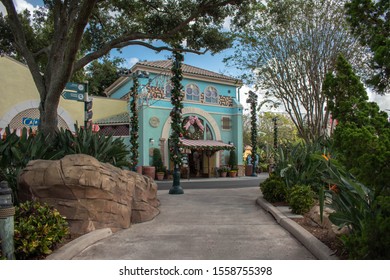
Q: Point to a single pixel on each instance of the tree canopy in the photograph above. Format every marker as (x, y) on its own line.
(362, 135)
(64, 36)
(370, 22)
(287, 49)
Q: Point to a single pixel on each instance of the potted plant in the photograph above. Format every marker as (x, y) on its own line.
(161, 173)
(233, 173)
(232, 164)
(158, 164)
(223, 171)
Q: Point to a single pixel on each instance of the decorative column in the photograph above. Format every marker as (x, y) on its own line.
(252, 100)
(134, 128)
(176, 124)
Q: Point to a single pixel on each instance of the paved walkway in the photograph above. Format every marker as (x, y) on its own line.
(202, 224)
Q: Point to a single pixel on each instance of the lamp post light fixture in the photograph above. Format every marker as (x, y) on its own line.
(7, 212)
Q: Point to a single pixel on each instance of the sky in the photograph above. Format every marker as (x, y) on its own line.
(214, 63)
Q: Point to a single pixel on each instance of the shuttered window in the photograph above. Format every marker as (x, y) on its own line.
(226, 123)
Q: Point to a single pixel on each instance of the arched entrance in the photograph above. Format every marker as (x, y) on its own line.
(201, 143)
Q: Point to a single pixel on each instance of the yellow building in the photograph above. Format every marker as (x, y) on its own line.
(20, 101)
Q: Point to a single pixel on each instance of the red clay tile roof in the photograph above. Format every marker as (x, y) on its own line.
(187, 69)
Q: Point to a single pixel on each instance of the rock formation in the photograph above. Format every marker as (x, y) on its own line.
(90, 194)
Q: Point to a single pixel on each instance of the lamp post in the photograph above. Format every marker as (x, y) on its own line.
(7, 212)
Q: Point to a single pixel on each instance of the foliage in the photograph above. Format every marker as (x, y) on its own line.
(362, 135)
(356, 207)
(232, 159)
(134, 124)
(287, 132)
(101, 74)
(300, 198)
(177, 96)
(252, 100)
(274, 189)
(16, 151)
(64, 36)
(157, 161)
(300, 164)
(223, 169)
(85, 141)
(373, 242)
(38, 229)
(369, 21)
(287, 48)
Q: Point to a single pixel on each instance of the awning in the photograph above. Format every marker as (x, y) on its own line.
(210, 145)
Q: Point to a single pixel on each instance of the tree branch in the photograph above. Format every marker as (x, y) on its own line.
(21, 45)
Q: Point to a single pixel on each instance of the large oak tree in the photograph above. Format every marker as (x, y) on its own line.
(66, 35)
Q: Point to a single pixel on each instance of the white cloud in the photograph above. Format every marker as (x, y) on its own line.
(2, 9)
(132, 61)
(21, 5)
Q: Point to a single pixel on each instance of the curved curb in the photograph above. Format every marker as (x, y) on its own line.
(315, 246)
(68, 251)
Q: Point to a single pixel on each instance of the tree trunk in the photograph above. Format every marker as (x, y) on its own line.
(48, 114)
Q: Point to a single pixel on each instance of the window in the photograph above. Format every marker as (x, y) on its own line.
(192, 92)
(211, 95)
(168, 90)
(226, 123)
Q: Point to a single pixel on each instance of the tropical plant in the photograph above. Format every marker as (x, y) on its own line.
(300, 198)
(16, 151)
(300, 164)
(38, 229)
(274, 189)
(85, 141)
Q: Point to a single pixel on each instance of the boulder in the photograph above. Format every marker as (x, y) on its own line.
(90, 194)
(333, 230)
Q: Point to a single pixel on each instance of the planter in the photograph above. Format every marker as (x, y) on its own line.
(149, 171)
(223, 174)
(160, 176)
(232, 173)
(249, 170)
(139, 169)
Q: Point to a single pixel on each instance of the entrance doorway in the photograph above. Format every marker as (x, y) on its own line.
(196, 163)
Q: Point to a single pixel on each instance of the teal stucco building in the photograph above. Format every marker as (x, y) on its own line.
(212, 115)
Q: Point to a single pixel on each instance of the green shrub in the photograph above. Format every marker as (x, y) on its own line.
(38, 229)
(157, 161)
(274, 189)
(372, 242)
(300, 199)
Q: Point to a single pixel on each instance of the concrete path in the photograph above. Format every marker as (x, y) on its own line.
(203, 224)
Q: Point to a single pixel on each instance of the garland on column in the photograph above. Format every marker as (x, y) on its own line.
(177, 96)
(253, 103)
(134, 124)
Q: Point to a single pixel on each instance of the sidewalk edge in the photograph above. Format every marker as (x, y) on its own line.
(315, 246)
(68, 251)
